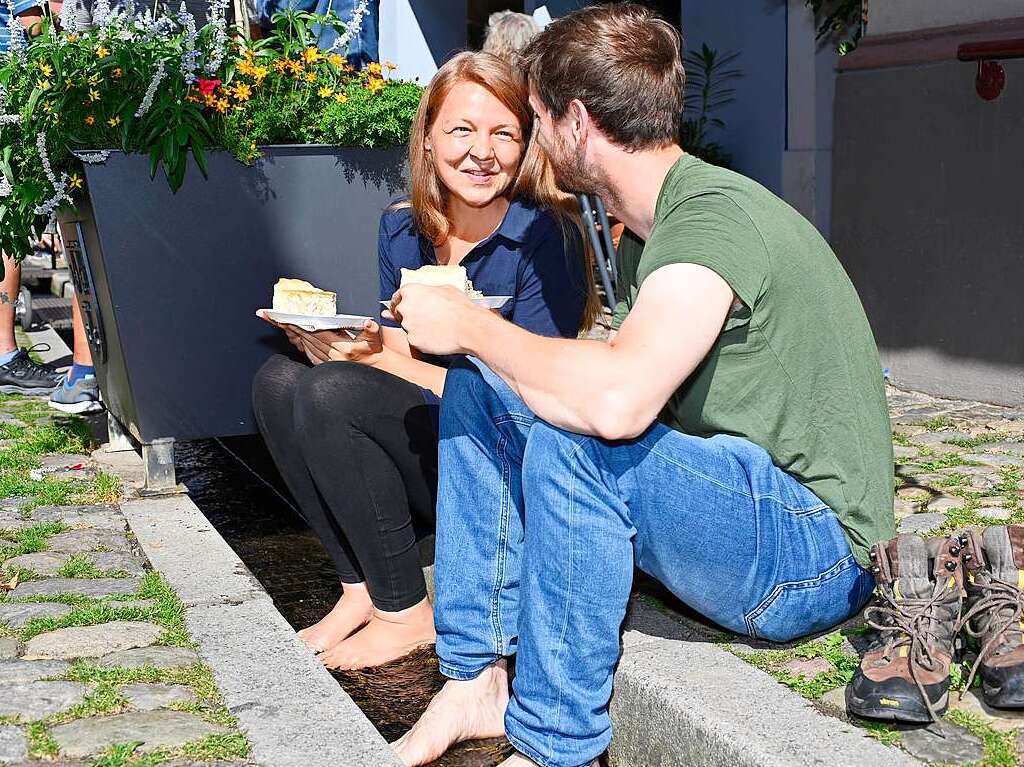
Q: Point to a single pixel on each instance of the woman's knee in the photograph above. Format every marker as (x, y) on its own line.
(336, 390)
(275, 383)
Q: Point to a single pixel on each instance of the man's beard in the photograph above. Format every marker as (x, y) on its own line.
(573, 173)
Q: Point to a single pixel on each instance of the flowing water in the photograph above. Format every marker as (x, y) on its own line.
(234, 483)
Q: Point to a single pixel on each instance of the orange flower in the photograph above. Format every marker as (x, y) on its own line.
(192, 98)
(310, 77)
(391, 66)
(102, 53)
(375, 85)
(336, 60)
(294, 67)
(325, 92)
(113, 122)
(311, 55)
(374, 68)
(116, 72)
(242, 92)
(209, 99)
(341, 98)
(246, 68)
(90, 120)
(259, 74)
(222, 105)
(280, 65)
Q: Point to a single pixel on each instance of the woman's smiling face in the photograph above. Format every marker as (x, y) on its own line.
(476, 143)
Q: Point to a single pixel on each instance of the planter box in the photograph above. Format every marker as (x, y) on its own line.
(169, 283)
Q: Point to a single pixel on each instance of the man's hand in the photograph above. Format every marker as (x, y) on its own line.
(434, 318)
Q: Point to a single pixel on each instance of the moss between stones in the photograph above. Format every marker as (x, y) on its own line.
(70, 435)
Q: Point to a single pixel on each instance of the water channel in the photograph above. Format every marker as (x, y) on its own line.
(235, 485)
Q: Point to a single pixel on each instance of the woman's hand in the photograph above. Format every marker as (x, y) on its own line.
(289, 331)
(332, 346)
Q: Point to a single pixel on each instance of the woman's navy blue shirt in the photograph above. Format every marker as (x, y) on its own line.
(529, 257)
(525, 258)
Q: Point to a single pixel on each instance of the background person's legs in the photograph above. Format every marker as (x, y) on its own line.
(19, 374)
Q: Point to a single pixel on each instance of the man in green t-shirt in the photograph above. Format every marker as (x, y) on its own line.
(731, 439)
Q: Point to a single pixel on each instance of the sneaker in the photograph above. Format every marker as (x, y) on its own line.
(83, 396)
(23, 375)
(995, 574)
(904, 676)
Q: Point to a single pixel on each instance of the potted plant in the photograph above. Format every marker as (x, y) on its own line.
(190, 169)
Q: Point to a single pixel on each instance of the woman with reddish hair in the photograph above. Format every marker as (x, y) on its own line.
(353, 427)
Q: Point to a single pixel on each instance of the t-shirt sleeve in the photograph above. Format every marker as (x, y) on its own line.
(388, 271)
(550, 293)
(712, 231)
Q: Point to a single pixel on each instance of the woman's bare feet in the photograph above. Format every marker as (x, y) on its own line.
(352, 611)
(386, 637)
(463, 710)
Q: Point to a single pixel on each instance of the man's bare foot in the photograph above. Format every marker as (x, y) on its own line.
(463, 710)
(351, 612)
(518, 760)
(386, 637)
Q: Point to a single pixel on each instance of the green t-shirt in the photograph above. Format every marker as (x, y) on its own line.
(795, 369)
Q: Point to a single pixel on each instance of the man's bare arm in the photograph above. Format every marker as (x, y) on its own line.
(614, 390)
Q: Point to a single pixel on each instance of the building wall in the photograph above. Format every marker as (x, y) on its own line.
(891, 16)
(420, 35)
(755, 129)
(928, 218)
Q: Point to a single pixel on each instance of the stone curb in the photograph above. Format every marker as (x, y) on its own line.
(291, 709)
(680, 699)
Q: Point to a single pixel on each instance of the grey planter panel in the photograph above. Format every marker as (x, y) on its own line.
(178, 277)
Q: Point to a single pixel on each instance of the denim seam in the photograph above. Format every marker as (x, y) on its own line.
(514, 417)
(526, 749)
(499, 574)
(733, 490)
(571, 459)
(462, 674)
(833, 572)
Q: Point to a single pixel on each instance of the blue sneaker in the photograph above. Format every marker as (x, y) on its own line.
(83, 396)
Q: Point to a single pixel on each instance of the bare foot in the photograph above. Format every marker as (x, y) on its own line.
(352, 611)
(386, 637)
(518, 760)
(461, 711)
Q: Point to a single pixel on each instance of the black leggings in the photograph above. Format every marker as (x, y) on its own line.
(357, 449)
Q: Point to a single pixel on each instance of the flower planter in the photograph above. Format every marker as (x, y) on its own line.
(169, 283)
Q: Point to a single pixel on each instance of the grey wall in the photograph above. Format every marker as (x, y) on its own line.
(928, 218)
(756, 123)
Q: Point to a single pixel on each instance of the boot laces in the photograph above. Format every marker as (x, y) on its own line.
(913, 622)
(998, 614)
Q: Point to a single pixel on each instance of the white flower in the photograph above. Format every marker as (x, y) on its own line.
(69, 17)
(44, 158)
(17, 41)
(101, 13)
(217, 17)
(352, 28)
(93, 159)
(147, 100)
(190, 54)
(5, 186)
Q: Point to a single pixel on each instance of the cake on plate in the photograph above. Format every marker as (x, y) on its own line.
(440, 276)
(293, 296)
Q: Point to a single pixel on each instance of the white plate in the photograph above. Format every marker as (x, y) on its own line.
(490, 302)
(312, 323)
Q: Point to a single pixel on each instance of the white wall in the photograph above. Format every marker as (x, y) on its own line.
(888, 16)
(420, 35)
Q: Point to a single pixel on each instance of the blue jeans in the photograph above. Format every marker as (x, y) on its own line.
(361, 51)
(539, 529)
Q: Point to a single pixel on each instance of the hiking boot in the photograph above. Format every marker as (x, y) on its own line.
(23, 375)
(904, 676)
(83, 396)
(994, 559)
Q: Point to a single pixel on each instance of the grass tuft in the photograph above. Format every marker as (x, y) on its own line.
(1000, 750)
(40, 743)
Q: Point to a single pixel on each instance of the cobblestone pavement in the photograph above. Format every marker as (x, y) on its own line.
(96, 666)
(957, 464)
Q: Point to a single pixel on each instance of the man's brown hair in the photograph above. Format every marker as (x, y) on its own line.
(623, 62)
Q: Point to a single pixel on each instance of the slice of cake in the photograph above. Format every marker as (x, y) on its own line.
(300, 297)
(440, 276)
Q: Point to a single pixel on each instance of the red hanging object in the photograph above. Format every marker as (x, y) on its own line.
(991, 79)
